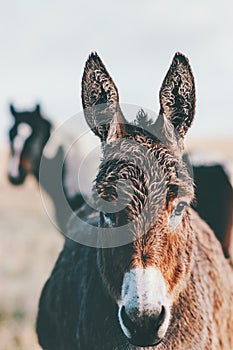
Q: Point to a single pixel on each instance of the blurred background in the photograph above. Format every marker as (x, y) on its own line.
(44, 46)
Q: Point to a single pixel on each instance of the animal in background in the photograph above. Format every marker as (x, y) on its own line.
(213, 174)
(28, 137)
(169, 287)
(213, 178)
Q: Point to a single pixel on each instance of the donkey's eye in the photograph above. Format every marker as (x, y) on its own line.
(180, 207)
(176, 215)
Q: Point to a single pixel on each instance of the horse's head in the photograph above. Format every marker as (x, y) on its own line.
(28, 137)
(143, 161)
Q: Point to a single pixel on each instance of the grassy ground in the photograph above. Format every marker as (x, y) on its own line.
(29, 245)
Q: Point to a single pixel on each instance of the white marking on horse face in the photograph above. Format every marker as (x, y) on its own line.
(145, 290)
(23, 132)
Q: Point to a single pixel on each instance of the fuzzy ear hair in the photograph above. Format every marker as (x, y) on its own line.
(101, 100)
(177, 95)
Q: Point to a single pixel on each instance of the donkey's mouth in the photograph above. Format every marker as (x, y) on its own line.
(146, 343)
(144, 309)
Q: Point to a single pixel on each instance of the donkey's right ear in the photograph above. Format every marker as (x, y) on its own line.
(12, 110)
(100, 100)
(177, 95)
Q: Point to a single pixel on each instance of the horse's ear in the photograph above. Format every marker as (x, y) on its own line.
(37, 109)
(177, 95)
(12, 110)
(100, 100)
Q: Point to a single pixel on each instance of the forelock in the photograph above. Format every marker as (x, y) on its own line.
(150, 166)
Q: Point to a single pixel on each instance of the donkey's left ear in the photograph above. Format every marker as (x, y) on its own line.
(177, 95)
(101, 100)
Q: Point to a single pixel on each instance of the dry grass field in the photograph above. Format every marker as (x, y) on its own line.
(29, 245)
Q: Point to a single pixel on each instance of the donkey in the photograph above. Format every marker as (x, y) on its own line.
(154, 274)
(28, 137)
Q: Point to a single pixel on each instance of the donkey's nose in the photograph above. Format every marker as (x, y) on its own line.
(142, 330)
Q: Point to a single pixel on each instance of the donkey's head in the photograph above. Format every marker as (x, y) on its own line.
(28, 136)
(146, 276)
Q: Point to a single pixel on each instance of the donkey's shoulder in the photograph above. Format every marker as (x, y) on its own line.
(208, 246)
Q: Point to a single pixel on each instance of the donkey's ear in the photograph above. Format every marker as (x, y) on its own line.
(12, 110)
(101, 100)
(177, 95)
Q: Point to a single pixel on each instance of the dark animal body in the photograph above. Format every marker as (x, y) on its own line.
(214, 201)
(28, 138)
(212, 175)
(170, 287)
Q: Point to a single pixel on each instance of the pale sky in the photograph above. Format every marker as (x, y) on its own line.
(44, 46)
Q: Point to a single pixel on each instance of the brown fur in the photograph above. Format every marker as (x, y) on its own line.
(198, 277)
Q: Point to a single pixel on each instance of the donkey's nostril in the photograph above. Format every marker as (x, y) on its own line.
(161, 317)
(128, 323)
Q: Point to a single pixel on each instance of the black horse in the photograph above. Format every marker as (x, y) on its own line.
(212, 176)
(28, 137)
